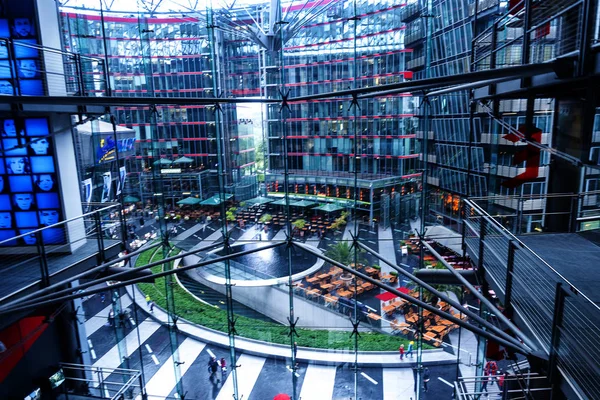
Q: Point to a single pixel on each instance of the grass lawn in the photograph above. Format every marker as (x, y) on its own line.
(186, 306)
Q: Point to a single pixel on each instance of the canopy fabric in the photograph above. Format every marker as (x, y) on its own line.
(387, 296)
(215, 200)
(282, 396)
(130, 199)
(303, 203)
(330, 207)
(189, 201)
(260, 200)
(163, 161)
(183, 160)
(280, 202)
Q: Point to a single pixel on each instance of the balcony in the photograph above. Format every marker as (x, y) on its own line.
(410, 12)
(490, 138)
(483, 5)
(511, 172)
(416, 63)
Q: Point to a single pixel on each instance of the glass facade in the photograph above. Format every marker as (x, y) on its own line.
(294, 210)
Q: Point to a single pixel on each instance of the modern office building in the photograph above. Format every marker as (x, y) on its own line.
(481, 115)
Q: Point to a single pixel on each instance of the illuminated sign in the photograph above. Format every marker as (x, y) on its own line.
(106, 149)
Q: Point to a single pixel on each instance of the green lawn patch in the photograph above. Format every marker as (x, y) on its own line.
(189, 308)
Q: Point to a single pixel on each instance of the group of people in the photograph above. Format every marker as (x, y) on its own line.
(491, 374)
(213, 368)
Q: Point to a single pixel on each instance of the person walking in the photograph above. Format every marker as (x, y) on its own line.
(223, 365)
(401, 350)
(152, 306)
(484, 382)
(490, 369)
(213, 366)
(295, 349)
(102, 297)
(409, 350)
(426, 378)
(148, 300)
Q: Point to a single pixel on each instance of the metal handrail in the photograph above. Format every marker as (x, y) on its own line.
(57, 224)
(491, 27)
(509, 234)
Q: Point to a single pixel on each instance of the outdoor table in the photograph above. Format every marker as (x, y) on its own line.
(331, 299)
(326, 286)
(388, 309)
(412, 319)
(371, 270)
(374, 316)
(438, 328)
(337, 283)
(323, 276)
(312, 280)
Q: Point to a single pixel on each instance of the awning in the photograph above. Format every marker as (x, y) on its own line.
(280, 202)
(189, 201)
(183, 160)
(215, 200)
(330, 208)
(387, 296)
(130, 199)
(303, 203)
(162, 161)
(260, 200)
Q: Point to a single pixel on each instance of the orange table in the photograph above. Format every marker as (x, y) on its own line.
(322, 276)
(374, 316)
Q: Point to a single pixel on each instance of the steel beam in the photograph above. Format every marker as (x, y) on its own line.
(31, 306)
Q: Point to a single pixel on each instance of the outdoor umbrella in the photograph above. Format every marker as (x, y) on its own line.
(282, 396)
(130, 199)
(189, 201)
(162, 161)
(303, 204)
(260, 200)
(183, 160)
(280, 202)
(215, 200)
(329, 208)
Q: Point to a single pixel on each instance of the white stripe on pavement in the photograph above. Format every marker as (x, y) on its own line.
(163, 382)
(155, 359)
(446, 382)
(373, 381)
(398, 383)
(93, 353)
(319, 382)
(112, 359)
(101, 318)
(148, 348)
(247, 374)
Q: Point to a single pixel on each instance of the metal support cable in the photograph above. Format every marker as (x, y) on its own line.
(447, 299)
(518, 348)
(483, 299)
(135, 280)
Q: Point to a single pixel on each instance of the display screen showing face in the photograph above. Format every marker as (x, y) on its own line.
(29, 196)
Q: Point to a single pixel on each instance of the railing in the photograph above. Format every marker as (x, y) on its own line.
(34, 257)
(523, 386)
(530, 32)
(565, 322)
(60, 73)
(543, 212)
(98, 382)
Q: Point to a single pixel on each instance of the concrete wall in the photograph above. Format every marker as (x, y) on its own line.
(275, 303)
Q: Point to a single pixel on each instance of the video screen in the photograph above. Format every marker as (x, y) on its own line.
(57, 379)
(29, 193)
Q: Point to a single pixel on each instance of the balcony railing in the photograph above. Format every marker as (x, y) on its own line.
(536, 290)
(541, 32)
(37, 257)
(63, 72)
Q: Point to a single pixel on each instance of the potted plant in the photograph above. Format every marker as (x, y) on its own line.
(265, 218)
(299, 224)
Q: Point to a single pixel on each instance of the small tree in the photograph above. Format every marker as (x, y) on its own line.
(265, 218)
(230, 216)
(343, 253)
(299, 224)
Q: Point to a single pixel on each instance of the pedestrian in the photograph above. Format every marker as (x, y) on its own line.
(295, 349)
(500, 379)
(223, 365)
(148, 300)
(490, 370)
(152, 306)
(111, 318)
(213, 366)
(142, 222)
(102, 297)
(426, 378)
(401, 350)
(409, 350)
(484, 382)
